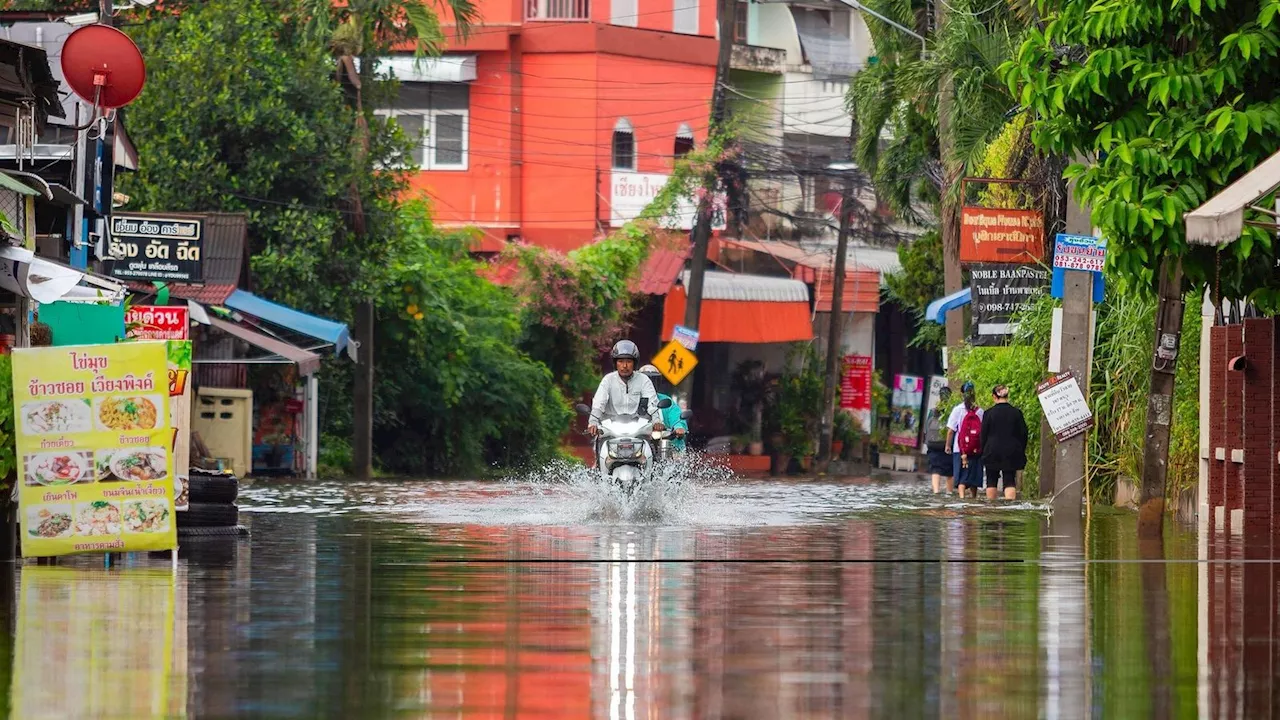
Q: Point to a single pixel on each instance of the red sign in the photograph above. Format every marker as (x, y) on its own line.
(855, 383)
(998, 235)
(158, 322)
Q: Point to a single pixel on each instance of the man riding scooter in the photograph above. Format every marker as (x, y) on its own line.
(671, 415)
(623, 392)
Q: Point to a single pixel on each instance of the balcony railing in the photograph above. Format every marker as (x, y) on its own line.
(557, 10)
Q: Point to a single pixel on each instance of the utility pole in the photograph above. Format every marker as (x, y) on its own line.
(837, 313)
(1164, 363)
(701, 234)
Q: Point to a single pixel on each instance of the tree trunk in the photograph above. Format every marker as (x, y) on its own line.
(1164, 362)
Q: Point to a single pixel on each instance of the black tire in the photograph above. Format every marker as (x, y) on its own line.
(200, 532)
(213, 489)
(209, 515)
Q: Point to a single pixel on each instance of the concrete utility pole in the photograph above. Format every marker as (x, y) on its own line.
(837, 314)
(701, 234)
(1069, 464)
(1164, 363)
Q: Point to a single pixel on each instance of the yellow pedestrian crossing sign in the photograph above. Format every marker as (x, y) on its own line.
(675, 362)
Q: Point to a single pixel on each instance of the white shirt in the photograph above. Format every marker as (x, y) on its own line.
(616, 396)
(953, 424)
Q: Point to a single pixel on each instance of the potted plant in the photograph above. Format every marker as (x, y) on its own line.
(751, 386)
(799, 403)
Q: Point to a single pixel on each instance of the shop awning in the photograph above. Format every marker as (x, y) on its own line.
(442, 69)
(938, 309)
(279, 352)
(816, 267)
(47, 281)
(660, 271)
(744, 309)
(328, 331)
(1221, 220)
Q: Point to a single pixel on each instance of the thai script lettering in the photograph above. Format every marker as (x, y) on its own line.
(64, 496)
(112, 545)
(134, 439)
(128, 383)
(144, 491)
(39, 389)
(85, 361)
(55, 444)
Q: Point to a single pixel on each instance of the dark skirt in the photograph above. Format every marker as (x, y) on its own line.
(939, 463)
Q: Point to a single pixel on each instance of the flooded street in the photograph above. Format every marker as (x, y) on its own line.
(546, 597)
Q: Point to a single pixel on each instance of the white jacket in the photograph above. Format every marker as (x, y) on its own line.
(616, 396)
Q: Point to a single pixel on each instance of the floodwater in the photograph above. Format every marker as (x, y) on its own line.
(544, 597)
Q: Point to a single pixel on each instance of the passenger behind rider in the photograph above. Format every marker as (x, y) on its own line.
(670, 415)
(623, 392)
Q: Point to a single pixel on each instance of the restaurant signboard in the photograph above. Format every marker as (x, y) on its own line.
(167, 248)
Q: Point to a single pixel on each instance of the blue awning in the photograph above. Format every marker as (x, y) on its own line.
(938, 309)
(328, 331)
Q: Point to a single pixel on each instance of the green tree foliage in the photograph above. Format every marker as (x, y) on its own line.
(1171, 100)
(919, 283)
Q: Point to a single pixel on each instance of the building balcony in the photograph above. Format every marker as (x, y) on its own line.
(758, 59)
(557, 10)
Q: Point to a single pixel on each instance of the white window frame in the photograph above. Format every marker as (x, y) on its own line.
(624, 126)
(684, 16)
(429, 162)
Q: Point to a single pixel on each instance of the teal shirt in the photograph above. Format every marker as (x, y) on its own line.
(671, 418)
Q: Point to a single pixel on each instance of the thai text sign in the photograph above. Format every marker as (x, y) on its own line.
(157, 322)
(630, 193)
(997, 291)
(997, 235)
(1079, 252)
(95, 448)
(156, 248)
(855, 383)
(1064, 406)
(908, 399)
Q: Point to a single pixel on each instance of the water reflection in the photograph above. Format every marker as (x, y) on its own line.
(361, 610)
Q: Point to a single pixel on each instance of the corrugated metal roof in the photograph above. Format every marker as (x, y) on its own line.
(203, 294)
(747, 288)
(861, 291)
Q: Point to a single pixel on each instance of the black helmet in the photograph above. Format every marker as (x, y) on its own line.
(625, 350)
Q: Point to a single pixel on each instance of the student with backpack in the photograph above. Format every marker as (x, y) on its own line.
(935, 438)
(964, 440)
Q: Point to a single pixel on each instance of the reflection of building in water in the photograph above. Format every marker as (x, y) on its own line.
(98, 643)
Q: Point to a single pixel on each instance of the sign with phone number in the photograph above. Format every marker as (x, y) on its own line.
(1080, 252)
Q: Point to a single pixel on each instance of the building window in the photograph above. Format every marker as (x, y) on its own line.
(684, 17)
(436, 118)
(623, 12)
(684, 141)
(740, 15)
(624, 146)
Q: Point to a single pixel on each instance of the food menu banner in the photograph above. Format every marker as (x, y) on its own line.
(158, 322)
(95, 448)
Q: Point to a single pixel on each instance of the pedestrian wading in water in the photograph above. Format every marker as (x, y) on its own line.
(964, 442)
(935, 438)
(1004, 444)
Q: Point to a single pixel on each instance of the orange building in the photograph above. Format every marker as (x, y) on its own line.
(555, 120)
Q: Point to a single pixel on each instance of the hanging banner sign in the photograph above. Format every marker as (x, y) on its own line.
(998, 291)
(686, 337)
(95, 448)
(855, 382)
(908, 398)
(999, 235)
(158, 322)
(179, 363)
(1064, 406)
(149, 248)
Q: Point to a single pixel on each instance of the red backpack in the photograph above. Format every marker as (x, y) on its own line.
(970, 439)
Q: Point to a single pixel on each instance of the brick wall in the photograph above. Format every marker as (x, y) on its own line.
(1259, 458)
(1234, 420)
(1217, 417)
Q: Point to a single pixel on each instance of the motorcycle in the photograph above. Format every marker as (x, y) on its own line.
(628, 448)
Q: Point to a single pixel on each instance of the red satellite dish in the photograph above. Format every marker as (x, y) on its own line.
(103, 66)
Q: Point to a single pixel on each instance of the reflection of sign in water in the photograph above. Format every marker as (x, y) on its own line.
(156, 248)
(1064, 406)
(997, 292)
(95, 448)
(908, 397)
(999, 235)
(675, 362)
(94, 644)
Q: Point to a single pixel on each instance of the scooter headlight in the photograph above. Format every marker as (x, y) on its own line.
(624, 449)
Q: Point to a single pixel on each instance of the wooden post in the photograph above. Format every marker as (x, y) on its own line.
(362, 394)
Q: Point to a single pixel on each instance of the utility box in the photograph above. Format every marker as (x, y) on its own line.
(224, 419)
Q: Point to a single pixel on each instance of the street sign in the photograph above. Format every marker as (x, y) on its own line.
(686, 337)
(1079, 252)
(1064, 406)
(675, 362)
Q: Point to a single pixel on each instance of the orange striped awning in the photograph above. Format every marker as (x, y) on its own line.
(748, 309)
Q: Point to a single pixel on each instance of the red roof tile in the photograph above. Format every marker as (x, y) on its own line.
(659, 271)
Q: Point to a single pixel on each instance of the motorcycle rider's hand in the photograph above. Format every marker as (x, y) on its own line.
(679, 432)
(593, 430)
(659, 426)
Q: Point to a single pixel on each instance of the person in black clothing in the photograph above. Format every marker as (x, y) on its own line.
(1004, 444)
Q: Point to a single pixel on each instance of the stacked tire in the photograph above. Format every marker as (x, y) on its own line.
(212, 509)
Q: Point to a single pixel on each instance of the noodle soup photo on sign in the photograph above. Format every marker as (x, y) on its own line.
(100, 517)
(48, 522)
(129, 412)
(58, 468)
(146, 516)
(46, 417)
(133, 465)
